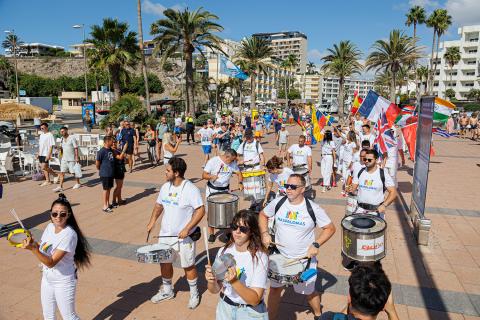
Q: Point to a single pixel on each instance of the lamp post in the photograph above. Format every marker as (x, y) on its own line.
(12, 32)
(82, 26)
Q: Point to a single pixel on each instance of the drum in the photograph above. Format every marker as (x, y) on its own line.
(254, 187)
(304, 172)
(221, 207)
(282, 272)
(16, 237)
(155, 253)
(364, 237)
(221, 265)
(351, 204)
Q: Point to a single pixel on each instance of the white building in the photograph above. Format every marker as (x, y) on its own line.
(286, 43)
(34, 49)
(466, 72)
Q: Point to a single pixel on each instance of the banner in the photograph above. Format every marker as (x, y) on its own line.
(228, 68)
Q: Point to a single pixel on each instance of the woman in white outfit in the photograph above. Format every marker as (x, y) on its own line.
(63, 248)
(278, 176)
(328, 159)
(170, 146)
(245, 281)
(349, 149)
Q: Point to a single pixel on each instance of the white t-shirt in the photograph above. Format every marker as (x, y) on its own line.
(178, 206)
(348, 152)
(370, 137)
(222, 170)
(68, 148)
(328, 148)
(283, 136)
(206, 136)
(392, 160)
(370, 188)
(251, 271)
(65, 240)
(249, 152)
(45, 141)
(300, 154)
(358, 125)
(357, 166)
(294, 228)
(178, 122)
(281, 179)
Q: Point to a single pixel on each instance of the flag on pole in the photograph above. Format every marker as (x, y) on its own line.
(407, 115)
(443, 110)
(318, 124)
(374, 105)
(442, 133)
(357, 101)
(228, 68)
(385, 138)
(410, 135)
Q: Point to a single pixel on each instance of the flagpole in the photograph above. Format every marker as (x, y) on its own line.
(216, 87)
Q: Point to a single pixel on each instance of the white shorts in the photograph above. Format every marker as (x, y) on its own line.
(183, 251)
(67, 166)
(305, 288)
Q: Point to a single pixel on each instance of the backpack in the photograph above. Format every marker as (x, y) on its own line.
(309, 208)
(382, 176)
(256, 146)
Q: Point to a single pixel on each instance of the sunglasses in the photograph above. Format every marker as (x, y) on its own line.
(368, 159)
(291, 186)
(243, 229)
(61, 214)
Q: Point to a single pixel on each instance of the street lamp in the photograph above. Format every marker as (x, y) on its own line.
(12, 32)
(82, 26)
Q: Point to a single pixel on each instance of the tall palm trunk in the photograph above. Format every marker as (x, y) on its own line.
(341, 111)
(430, 71)
(417, 88)
(115, 74)
(436, 53)
(189, 80)
(393, 85)
(252, 91)
(142, 55)
(451, 77)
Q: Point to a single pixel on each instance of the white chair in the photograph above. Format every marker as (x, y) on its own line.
(83, 153)
(29, 160)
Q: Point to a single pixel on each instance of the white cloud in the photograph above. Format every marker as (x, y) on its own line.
(464, 12)
(316, 55)
(424, 3)
(158, 8)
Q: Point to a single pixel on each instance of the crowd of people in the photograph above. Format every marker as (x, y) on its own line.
(466, 126)
(288, 222)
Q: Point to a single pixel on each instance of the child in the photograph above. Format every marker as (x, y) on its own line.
(106, 164)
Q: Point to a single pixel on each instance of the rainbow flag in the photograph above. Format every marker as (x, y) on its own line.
(443, 110)
(357, 101)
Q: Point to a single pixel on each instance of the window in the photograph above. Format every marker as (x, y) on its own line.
(471, 73)
(468, 84)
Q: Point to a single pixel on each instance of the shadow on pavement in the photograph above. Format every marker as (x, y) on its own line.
(405, 187)
(143, 194)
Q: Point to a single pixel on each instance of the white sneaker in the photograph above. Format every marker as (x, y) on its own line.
(76, 186)
(162, 296)
(58, 189)
(194, 301)
(55, 179)
(45, 183)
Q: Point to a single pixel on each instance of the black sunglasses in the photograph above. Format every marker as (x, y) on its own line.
(243, 229)
(368, 159)
(61, 214)
(291, 186)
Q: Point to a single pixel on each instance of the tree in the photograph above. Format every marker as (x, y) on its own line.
(342, 61)
(128, 106)
(393, 54)
(186, 31)
(452, 56)
(290, 63)
(292, 94)
(450, 93)
(474, 94)
(7, 69)
(137, 85)
(311, 68)
(254, 57)
(12, 42)
(415, 16)
(142, 56)
(422, 75)
(116, 49)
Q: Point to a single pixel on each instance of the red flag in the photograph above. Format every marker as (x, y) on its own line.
(357, 101)
(410, 135)
(392, 112)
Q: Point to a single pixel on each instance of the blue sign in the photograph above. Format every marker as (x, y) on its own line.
(88, 113)
(228, 68)
(22, 93)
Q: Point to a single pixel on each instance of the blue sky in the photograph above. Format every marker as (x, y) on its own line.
(324, 22)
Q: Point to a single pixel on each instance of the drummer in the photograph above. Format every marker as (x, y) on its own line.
(243, 286)
(181, 202)
(218, 172)
(295, 236)
(300, 155)
(252, 152)
(278, 175)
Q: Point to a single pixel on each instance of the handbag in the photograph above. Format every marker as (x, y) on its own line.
(77, 170)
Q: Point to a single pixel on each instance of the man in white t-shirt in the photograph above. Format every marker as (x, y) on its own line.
(390, 163)
(206, 136)
(358, 123)
(177, 130)
(69, 159)
(366, 134)
(181, 203)
(46, 143)
(218, 172)
(300, 155)
(295, 233)
(252, 152)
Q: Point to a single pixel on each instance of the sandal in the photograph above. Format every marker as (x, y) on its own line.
(107, 210)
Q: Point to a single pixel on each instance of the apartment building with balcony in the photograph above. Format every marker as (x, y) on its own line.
(465, 74)
(34, 49)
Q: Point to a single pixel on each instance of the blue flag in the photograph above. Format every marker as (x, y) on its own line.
(228, 68)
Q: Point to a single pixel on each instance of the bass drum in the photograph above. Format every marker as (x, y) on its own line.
(221, 209)
(254, 187)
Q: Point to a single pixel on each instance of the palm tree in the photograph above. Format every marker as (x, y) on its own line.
(422, 75)
(415, 16)
(342, 61)
(185, 31)
(393, 54)
(142, 56)
(6, 68)
(254, 56)
(311, 68)
(116, 49)
(452, 56)
(12, 42)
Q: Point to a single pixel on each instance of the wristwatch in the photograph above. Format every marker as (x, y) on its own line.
(316, 245)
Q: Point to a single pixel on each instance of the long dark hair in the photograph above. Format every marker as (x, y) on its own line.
(274, 163)
(328, 136)
(249, 219)
(82, 251)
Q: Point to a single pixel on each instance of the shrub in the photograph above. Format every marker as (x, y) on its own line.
(200, 120)
(128, 106)
(472, 107)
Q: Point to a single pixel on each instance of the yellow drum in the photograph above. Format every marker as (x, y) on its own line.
(254, 187)
(16, 237)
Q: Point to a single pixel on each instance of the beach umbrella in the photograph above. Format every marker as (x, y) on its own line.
(12, 111)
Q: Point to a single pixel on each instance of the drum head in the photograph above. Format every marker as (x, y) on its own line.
(301, 171)
(363, 223)
(222, 198)
(279, 264)
(153, 247)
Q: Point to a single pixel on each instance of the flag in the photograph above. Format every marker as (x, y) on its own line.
(443, 109)
(385, 138)
(357, 101)
(374, 105)
(316, 132)
(296, 117)
(228, 68)
(410, 136)
(407, 116)
(442, 133)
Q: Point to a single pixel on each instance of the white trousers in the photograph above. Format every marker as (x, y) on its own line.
(392, 172)
(345, 171)
(58, 292)
(326, 168)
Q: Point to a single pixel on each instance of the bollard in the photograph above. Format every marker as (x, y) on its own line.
(422, 230)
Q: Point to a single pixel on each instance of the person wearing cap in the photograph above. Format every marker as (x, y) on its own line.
(282, 140)
(251, 151)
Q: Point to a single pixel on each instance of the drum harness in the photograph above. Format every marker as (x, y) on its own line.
(219, 189)
(248, 166)
(367, 206)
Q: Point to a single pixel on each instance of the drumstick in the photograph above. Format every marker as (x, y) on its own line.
(148, 236)
(165, 237)
(293, 261)
(14, 214)
(206, 244)
(277, 244)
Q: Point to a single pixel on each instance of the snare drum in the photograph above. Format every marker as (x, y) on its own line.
(254, 187)
(304, 172)
(155, 253)
(282, 272)
(352, 204)
(16, 237)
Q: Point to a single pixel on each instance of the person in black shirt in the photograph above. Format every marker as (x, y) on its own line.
(105, 165)
(248, 121)
(128, 135)
(118, 174)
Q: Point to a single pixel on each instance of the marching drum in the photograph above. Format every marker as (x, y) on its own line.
(221, 209)
(16, 237)
(352, 204)
(364, 237)
(280, 270)
(155, 253)
(304, 172)
(254, 187)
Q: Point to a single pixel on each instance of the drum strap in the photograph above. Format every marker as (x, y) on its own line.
(211, 186)
(382, 176)
(307, 203)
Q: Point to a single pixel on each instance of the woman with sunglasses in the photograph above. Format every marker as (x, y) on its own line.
(62, 249)
(278, 175)
(243, 287)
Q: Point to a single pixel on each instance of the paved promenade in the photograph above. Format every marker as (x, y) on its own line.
(440, 281)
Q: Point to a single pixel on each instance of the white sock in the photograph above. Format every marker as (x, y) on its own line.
(167, 285)
(193, 287)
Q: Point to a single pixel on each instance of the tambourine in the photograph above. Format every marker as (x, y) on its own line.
(16, 237)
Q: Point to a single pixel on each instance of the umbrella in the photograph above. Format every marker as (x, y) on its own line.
(11, 111)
